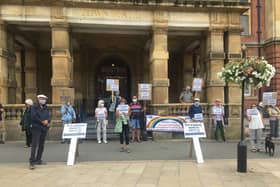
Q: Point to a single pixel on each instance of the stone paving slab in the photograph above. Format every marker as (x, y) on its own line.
(213, 173)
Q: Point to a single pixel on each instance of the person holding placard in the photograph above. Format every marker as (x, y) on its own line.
(195, 111)
(218, 117)
(186, 95)
(122, 115)
(255, 127)
(136, 110)
(101, 121)
(274, 114)
(68, 115)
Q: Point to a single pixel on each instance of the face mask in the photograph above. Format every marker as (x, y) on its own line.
(196, 103)
(102, 105)
(42, 101)
(134, 100)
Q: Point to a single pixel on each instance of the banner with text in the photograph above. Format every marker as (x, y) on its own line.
(166, 123)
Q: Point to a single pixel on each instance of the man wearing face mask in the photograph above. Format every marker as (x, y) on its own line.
(68, 114)
(195, 111)
(40, 120)
(135, 109)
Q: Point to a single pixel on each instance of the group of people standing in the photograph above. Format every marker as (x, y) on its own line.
(196, 113)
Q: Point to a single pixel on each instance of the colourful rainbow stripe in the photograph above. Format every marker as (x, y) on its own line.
(152, 123)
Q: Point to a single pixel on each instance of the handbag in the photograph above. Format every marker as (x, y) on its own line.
(118, 126)
(112, 107)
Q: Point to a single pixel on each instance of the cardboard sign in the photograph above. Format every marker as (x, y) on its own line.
(112, 85)
(74, 130)
(123, 108)
(197, 84)
(252, 112)
(198, 117)
(194, 129)
(144, 91)
(270, 98)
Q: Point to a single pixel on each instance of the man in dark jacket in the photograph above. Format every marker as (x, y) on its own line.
(195, 109)
(40, 120)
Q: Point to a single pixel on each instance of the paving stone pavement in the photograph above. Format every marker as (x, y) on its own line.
(151, 173)
(149, 164)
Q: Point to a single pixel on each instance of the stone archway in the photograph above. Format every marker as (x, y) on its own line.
(112, 67)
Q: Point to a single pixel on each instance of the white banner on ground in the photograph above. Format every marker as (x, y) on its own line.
(195, 131)
(74, 131)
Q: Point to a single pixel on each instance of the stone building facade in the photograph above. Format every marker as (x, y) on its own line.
(68, 48)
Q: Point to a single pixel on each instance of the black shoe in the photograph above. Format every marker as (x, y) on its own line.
(31, 166)
(40, 162)
(2, 142)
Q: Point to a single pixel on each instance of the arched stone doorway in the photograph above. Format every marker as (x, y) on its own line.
(112, 67)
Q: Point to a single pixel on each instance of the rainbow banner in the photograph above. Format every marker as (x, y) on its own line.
(166, 123)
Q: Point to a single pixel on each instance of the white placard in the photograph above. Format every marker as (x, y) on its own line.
(112, 85)
(197, 84)
(144, 91)
(194, 129)
(270, 98)
(123, 108)
(252, 112)
(198, 117)
(74, 130)
(217, 110)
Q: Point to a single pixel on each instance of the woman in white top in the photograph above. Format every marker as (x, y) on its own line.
(101, 121)
(255, 127)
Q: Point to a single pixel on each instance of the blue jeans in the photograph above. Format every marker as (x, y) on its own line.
(135, 123)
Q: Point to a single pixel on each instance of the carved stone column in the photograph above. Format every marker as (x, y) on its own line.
(216, 56)
(12, 83)
(3, 64)
(19, 98)
(159, 59)
(187, 69)
(234, 90)
(30, 70)
(62, 65)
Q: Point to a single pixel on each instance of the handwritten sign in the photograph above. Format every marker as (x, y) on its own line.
(112, 85)
(252, 112)
(270, 98)
(197, 84)
(123, 108)
(217, 110)
(198, 117)
(144, 91)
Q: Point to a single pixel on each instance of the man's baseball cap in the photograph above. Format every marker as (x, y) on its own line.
(42, 96)
(196, 99)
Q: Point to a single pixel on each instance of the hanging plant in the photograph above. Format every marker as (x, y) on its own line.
(253, 70)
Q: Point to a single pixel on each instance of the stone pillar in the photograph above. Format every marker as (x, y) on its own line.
(12, 83)
(3, 64)
(19, 98)
(62, 65)
(30, 70)
(234, 90)
(159, 59)
(187, 69)
(216, 56)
